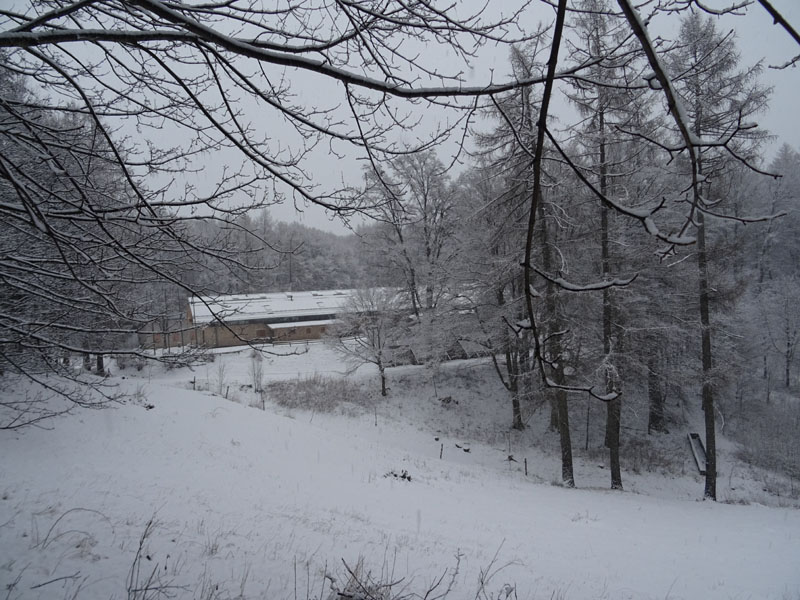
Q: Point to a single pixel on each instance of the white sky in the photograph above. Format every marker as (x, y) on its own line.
(757, 39)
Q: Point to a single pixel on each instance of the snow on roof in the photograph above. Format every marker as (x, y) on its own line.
(297, 324)
(265, 307)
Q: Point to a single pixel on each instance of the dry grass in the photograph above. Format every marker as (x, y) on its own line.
(318, 393)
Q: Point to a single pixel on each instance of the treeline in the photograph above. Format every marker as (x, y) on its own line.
(616, 314)
(272, 256)
(647, 282)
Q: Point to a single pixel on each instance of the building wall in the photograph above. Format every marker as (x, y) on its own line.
(173, 339)
(216, 336)
(180, 335)
(299, 333)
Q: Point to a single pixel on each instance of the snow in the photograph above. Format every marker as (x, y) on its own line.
(279, 305)
(595, 285)
(293, 324)
(255, 500)
(652, 81)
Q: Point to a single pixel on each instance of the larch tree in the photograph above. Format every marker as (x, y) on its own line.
(607, 104)
(504, 168)
(720, 101)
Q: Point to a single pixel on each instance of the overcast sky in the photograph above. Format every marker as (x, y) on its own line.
(757, 39)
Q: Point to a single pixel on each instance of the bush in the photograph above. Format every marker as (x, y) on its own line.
(644, 456)
(318, 393)
(128, 360)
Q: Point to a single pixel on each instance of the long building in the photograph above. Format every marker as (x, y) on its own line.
(220, 321)
(278, 317)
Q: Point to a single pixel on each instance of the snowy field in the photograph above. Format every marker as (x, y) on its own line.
(245, 502)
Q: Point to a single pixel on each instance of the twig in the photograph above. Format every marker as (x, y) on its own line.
(73, 576)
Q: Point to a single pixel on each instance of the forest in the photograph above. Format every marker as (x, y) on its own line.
(602, 219)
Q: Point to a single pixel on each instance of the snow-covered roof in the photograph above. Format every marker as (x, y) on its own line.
(281, 306)
(295, 324)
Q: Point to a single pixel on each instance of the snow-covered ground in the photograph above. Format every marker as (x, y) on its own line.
(258, 503)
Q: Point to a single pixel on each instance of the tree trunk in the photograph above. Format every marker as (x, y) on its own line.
(512, 365)
(567, 474)
(87, 361)
(588, 421)
(100, 366)
(553, 415)
(613, 408)
(383, 379)
(769, 387)
(655, 421)
(551, 301)
(614, 414)
(708, 391)
(788, 361)
(516, 422)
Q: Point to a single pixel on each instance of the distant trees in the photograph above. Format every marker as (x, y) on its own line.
(74, 245)
(273, 256)
(781, 319)
(778, 265)
(777, 249)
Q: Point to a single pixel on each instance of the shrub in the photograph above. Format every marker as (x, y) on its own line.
(318, 393)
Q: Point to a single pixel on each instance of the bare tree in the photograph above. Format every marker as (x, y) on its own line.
(369, 329)
(413, 203)
(111, 109)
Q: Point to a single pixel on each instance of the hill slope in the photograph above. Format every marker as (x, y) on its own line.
(261, 503)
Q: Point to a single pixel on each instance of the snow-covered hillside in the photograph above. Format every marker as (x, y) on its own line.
(263, 503)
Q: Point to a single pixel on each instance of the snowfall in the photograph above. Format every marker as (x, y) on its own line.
(188, 487)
